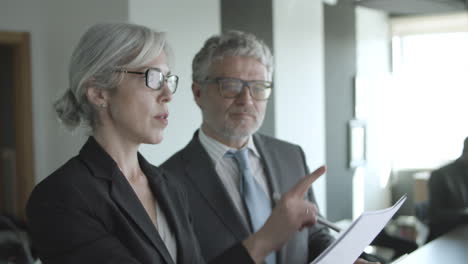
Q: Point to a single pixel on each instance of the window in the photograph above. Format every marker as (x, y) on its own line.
(430, 94)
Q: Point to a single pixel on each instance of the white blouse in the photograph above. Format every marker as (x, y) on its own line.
(166, 234)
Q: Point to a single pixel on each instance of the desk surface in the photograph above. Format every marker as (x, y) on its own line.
(450, 248)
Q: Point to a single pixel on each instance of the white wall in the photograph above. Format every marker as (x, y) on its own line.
(299, 81)
(188, 23)
(55, 26)
(373, 67)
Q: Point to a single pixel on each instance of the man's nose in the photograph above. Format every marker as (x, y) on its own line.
(244, 96)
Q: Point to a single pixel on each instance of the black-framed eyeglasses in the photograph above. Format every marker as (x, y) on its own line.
(155, 79)
(232, 87)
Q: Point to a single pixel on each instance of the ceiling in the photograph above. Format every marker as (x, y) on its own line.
(414, 7)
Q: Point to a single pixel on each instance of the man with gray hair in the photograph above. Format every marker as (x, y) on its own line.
(246, 190)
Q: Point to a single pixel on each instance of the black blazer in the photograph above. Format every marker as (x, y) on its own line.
(87, 212)
(217, 223)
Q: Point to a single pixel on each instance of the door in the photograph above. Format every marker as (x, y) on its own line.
(16, 144)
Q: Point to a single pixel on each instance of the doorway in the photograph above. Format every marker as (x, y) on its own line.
(16, 141)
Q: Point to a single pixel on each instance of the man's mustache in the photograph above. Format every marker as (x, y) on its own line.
(249, 111)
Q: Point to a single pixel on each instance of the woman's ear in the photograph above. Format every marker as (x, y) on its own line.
(98, 97)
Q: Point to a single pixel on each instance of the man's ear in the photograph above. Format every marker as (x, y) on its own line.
(98, 97)
(197, 90)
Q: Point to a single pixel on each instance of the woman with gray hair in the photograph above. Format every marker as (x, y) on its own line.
(108, 204)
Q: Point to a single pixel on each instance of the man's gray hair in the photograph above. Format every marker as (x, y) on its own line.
(103, 49)
(231, 43)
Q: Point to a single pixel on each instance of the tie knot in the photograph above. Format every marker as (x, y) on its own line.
(241, 156)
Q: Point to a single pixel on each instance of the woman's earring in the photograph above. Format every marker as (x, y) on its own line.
(103, 105)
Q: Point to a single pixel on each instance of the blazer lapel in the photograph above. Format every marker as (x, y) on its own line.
(173, 211)
(126, 199)
(271, 173)
(202, 174)
(103, 166)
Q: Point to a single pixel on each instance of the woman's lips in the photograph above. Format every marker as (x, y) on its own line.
(163, 118)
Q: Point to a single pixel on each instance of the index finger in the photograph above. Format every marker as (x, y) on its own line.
(303, 185)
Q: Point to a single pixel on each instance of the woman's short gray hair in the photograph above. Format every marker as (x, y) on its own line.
(232, 43)
(103, 49)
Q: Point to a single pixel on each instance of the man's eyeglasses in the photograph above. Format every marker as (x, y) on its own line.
(232, 87)
(155, 79)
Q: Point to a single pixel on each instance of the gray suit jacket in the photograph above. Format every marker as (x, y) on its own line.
(216, 221)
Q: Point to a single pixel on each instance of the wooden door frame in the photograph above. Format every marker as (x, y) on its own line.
(22, 104)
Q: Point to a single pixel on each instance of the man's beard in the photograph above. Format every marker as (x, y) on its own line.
(239, 130)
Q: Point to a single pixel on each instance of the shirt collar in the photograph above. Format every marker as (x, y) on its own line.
(216, 150)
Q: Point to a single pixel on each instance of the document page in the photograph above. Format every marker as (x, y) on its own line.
(351, 242)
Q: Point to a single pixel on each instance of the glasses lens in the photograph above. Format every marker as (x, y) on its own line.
(154, 79)
(260, 90)
(230, 87)
(172, 81)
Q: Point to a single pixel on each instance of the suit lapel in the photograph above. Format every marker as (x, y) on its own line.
(126, 199)
(103, 166)
(203, 176)
(173, 211)
(271, 173)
